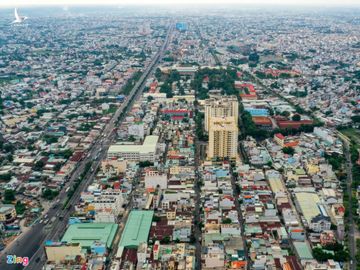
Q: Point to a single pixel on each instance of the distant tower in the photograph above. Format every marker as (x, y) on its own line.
(181, 26)
(145, 29)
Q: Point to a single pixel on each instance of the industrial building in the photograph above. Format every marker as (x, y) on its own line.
(87, 234)
(135, 152)
(136, 230)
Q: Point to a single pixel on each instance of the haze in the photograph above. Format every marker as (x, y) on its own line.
(11, 3)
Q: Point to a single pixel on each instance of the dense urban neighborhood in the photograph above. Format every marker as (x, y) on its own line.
(180, 139)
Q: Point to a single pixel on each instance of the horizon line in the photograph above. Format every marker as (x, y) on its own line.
(183, 4)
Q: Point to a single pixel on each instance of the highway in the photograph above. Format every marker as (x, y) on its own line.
(31, 243)
(351, 232)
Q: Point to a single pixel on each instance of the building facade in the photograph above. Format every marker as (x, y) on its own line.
(223, 138)
(222, 106)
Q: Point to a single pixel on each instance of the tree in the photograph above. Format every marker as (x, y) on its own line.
(143, 164)
(9, 196)
(254, 57)
(67, 153)
(49, 194)
(166, 88)
(296, 117)
(355, 118)
(39, 165)
(320, 255)
(341, 256)
(165, 240)
(5, 177)
(50, 139)
(20, 208)
(226, 221)
(288, 150)
(335, 160)
(285, 114)
(57, 167)
(8, 148)
(150, 98)
(174, 76)
(158, 74)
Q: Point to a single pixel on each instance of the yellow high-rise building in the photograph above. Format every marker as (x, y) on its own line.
(222, 106)
(223, 138)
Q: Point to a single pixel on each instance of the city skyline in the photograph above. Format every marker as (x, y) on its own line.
(197, 137)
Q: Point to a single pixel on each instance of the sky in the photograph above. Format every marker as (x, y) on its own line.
(18, 3)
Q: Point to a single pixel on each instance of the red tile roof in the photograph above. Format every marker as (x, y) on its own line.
(293, 124)
(261, 120)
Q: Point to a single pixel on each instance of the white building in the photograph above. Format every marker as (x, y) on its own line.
(324, 134)
(136, 152)
(137, 130)
(154, 179)
(108, 202)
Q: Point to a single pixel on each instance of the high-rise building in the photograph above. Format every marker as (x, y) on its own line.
(222, 106)
(223, 137)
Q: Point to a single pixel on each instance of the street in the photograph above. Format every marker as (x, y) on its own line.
(351, 232)
(31, 244)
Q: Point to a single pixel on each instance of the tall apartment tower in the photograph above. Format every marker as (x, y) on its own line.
(222, 106)
(223, 138)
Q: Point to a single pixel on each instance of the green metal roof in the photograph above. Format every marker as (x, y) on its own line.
(87, 233)
(303, 250)
(137, 228)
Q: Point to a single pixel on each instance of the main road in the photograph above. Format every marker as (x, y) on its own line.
(31, 243)
(351, 232)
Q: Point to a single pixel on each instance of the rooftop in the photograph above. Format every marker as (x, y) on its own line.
(137, 228)
(149, 145)
(308, 204)
(303, 250)
(87, 233)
